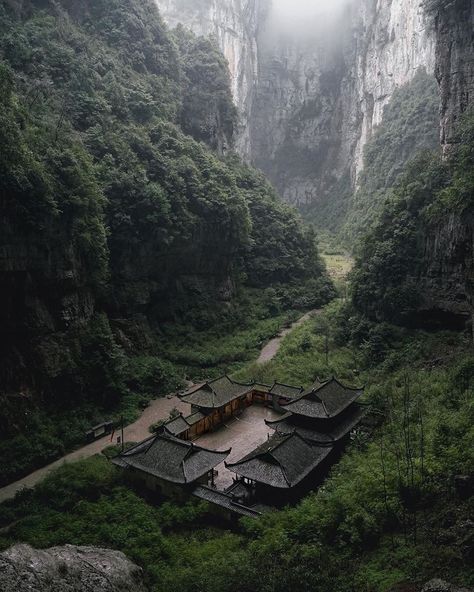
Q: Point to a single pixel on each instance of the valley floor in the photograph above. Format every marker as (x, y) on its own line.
(136, 432)
(245, 433)
(356, 534)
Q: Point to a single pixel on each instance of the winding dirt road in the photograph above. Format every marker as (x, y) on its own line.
(272, 347)
(136, 432)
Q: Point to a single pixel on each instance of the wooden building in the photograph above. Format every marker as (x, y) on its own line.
(309, 437)
(188, 428)
(308, 440)
(221, 399)
(170, 466)
(282, 394)
(283, 469)
(325, 413)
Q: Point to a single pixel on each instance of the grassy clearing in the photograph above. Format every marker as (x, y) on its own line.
(302, 358)
(338, 262)
(205, 355)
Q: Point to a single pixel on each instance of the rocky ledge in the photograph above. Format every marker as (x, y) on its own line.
(68, 569)
(437, 585)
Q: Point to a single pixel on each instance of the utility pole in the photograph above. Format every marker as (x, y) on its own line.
(327, 347)
(121, 422)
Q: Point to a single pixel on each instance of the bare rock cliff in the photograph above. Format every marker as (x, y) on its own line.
(233, 24)
(449, 248)
(309, 96)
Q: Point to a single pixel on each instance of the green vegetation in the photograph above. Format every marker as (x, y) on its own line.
(386, 283)
(410, 125)
(373, 525)
(122, 218)
(338, 261)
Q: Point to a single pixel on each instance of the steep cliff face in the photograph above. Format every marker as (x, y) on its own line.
(449, 248)
(323, 96)
(454, 64)
(448, 277)
(399, 39)
(234, 24)
(308, 102)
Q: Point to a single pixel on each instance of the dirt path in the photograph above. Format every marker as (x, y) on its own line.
(272, 347)
(136, 432)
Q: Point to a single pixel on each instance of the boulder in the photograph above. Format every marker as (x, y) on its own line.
(68, 569)
(438, 585)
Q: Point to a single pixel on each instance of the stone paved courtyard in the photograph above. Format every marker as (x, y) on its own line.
(243, 434)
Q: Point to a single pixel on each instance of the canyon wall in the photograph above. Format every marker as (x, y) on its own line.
(321, 95)
(308, 102)
(234, 25)
(449, 248)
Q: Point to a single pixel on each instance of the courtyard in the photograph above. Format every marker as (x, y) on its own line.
(243, 433)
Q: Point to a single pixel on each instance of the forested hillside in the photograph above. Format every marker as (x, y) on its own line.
(425, 228)
(123, 209)
(410, 124)
(138, 253)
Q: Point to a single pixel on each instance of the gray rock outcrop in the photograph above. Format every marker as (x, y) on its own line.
(438, 585)
(68, 569)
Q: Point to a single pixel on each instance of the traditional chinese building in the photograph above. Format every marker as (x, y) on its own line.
(282, 394)
(168, 465)
(221, 399)
(309, 437)
(308, 440)
(283, 469)
(326, 413)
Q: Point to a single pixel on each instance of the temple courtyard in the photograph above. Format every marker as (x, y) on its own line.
(247, 447)
(243, 434)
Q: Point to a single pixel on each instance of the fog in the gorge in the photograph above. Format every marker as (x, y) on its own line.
(308, 17)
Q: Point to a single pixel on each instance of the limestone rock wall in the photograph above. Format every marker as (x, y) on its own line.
(234, 24)
(399, 38)
(454, 64)
(308, 102)
(449, 249)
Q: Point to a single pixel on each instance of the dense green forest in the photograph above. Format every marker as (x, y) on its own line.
(127, 221)
(410, 124)
(388, 282)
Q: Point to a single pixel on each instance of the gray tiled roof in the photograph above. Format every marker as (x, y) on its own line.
(325, 401)
(224, 500)
(282, 462)
(177, 425)
(194, 418)
(216, 393)
(289, 424)
(180, 424)
(286, 391)
(171, 459)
